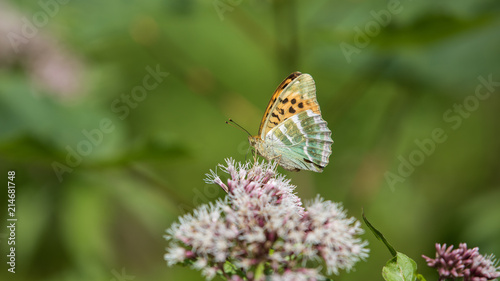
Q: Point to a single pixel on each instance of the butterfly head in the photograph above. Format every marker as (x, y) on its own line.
(258, 144)
(253, 140)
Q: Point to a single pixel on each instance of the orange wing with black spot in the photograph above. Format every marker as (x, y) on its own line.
(295, 94)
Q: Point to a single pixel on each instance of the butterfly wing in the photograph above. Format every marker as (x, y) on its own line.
(297, 93)
(302, 142)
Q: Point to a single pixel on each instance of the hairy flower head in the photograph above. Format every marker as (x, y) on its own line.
(262, 229)
(463, 262)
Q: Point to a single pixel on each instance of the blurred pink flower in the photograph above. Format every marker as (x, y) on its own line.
(49, 66)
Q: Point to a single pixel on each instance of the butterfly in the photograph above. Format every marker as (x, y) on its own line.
(292, 130)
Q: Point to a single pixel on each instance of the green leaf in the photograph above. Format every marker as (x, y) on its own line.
(379, 236)
(229, 268)
(259, 271)
(400, 268)
(420, 277)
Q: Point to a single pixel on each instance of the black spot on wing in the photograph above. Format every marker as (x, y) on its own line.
(293, 101)
(291, 110)
(274, 115)
(301, 105)
(285, 101)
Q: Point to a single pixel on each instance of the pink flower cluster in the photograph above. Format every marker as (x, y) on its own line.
(463, 263)
(260, 230)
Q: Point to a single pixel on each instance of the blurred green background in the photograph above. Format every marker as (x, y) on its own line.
(388, 74)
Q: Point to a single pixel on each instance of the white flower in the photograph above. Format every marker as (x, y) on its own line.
(336, 235)
(200, 263)
(209, 272)
(306, 274)
(243, 263)
(261, 222)
(175, 254)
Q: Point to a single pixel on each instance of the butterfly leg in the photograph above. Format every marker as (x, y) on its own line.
(255, 157)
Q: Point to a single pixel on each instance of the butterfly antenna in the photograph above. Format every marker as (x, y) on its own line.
(234, 124)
